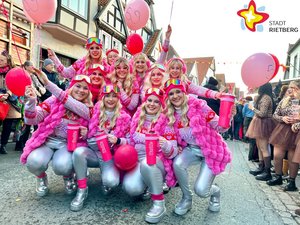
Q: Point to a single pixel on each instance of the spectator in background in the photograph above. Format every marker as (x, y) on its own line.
(248, 116)
(214, 104)
(48, 69)
(238, 119)
(61, 82)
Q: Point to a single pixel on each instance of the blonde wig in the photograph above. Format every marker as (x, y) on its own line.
(89, 61)
(103, 117)
(143, 117)
(174, 62)
(170, 112)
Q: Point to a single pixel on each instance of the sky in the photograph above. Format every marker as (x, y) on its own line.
(204, 28)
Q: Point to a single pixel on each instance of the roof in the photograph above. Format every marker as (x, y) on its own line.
(293, 46)
(203, 65)
(151, 43)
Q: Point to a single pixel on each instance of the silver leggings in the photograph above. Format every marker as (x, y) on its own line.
(55, 149)
(203, 184)
(153, 176)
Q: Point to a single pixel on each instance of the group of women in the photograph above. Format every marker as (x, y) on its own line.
(127, 100)
(279, 127)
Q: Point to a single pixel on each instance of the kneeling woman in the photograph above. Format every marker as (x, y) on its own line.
(49, 141)
(109, 117)
(197, 130)
(149, 119)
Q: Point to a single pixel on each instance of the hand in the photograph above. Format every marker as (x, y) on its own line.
(3, 97)
(120, 85)
(233, 111)
(112, 139)
(169, 32)
(42, 76)
(162, 141)
(219, 94)
(50, 53)
(287, 119)
(250, 106)
(29, 92)
(293, 129)
(83, 132)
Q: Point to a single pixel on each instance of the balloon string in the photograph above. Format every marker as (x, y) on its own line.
(171, 12)
(9, 25)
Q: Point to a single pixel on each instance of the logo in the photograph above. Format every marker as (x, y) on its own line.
(252, 17)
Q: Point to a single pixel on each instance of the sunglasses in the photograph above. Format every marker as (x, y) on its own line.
(109, 88)
(94, 40)
(81, 78)
(158, 66)
(157, 91)
(173, 81)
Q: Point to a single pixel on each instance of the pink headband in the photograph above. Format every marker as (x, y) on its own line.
(179, 59)
(173, 83)
(112, 50)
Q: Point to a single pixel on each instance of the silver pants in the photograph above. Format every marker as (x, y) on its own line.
(133, 183)
(55, 149)
(153, 176)
(191, 155)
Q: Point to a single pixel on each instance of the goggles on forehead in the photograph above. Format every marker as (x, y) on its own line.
(158, 66)
(94, 40)
(157, 91)
(109, 88)
(173, 81)
(98, 67)
(81, 78)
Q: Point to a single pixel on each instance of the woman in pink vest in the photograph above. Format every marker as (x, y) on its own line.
(197, 129)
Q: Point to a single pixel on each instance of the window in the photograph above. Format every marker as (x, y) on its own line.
(114, 19)
(295, 66)
(106, 42)
(117, 45)
(79, 7)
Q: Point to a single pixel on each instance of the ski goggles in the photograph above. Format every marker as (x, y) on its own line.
(158, 66)
(109, 88)
(99, 67)
(157, 91)
(175, 82)
(79, 78)
(93, 40)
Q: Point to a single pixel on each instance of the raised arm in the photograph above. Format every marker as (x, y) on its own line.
(165, 48)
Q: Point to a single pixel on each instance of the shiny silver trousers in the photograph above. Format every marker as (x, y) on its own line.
(191, 155)
(55, 149)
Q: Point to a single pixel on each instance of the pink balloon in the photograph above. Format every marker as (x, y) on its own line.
(258, 69)
(276, 65)
(39, 11)
(137, 13)
(16, 81)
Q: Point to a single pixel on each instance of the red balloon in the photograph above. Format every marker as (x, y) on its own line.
(276, 65)
(16, 80)
(134, 43)
(126, 157)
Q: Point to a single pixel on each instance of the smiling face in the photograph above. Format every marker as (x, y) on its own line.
(96, 78)
(156, 77)
(112, 57)
(293, 90)
(140, 64)
(175, 70)
(152, 105)
(122, 70)
(95, 51)
(110, 101)
(176, 97)
(3, 61)
(80, 91)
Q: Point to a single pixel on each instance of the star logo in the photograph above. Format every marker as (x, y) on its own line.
(252, 17)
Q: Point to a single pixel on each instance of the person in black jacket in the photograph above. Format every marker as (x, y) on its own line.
(214, 104)
(48, 69)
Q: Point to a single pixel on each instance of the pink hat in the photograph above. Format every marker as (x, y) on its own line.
(173, 83)
(157, 92)
(108, 89)
(112, 50)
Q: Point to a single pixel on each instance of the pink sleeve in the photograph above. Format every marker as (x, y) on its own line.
(35, 114)
(69, 102)
(201, 91)
(131, 102)
(164, 52)
(67, 72)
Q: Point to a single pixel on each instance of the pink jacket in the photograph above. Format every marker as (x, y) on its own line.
(214, 148)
